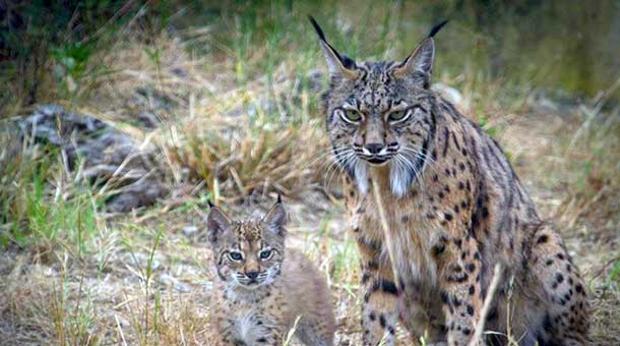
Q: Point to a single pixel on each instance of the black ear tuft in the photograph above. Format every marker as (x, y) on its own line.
(210, 204)
(436, 28)
(339, 65)
(317, 28)
(279, 199)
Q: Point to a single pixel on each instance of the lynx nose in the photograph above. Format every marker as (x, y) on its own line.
(374, 148)
(252, 275)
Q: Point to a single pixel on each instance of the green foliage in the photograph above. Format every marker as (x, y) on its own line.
(74, 319)
(66, 33)
(522, 43)
(71, 62)
(38, 210)
(614, 273)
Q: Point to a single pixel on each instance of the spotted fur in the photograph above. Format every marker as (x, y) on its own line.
(454, 208)
(264, 287)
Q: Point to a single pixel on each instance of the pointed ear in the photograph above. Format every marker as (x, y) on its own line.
(419, 64)
(275, 219)
(338, 65)
(217, 223)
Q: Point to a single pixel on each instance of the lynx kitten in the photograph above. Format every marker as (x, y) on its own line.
(263, 288)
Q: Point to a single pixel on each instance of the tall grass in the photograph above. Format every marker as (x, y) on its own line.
(42, 205)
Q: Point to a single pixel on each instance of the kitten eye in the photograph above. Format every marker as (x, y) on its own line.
(349, 115)
(265, 254)
(235, 256)
(399, 116)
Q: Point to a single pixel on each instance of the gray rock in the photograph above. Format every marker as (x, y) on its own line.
(171, 281)
(190, 231)
(451, 94)
(106, 155)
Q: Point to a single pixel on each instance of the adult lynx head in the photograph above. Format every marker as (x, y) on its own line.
(379, 113)
(248, 253)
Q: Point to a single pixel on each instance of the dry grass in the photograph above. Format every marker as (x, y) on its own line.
(237, 161)
(227, 131)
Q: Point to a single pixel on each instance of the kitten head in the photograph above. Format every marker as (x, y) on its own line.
(379, 113)
(248, 253)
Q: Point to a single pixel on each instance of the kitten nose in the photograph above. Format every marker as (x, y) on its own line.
(252, 275)
(374, 148)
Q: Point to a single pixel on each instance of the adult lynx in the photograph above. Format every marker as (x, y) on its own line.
(453, 208)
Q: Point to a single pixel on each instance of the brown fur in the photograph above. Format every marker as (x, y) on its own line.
(286, 287)
(454, 208)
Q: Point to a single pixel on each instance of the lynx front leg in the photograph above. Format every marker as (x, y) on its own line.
(460, 290)
(379, 309)
(267, 335)
(225, 335)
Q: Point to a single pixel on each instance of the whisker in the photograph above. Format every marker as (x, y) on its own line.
(345, 161)
(320, 158)
(335, 159)
(416, 173)
(424, 156)
(419, 152)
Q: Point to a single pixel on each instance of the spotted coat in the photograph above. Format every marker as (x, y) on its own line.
(454, 208)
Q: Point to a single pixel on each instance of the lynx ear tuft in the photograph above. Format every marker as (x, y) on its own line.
(338, 65)
(419, 64)
(437, 28)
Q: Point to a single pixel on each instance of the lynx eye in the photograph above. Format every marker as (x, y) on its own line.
(399, 116)
(235, 256)
(265, 254)
(349, 115)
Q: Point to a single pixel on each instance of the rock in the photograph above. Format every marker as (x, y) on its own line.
(152, 99)
(449, 93)
(106, 155)
(190, 231)
(138, 194)
(171, 281)
(148, 119)
(42, 124)
(553, 101)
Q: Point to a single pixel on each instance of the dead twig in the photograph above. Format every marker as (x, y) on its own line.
(386, 228)
(477, 338)
(600, 272)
